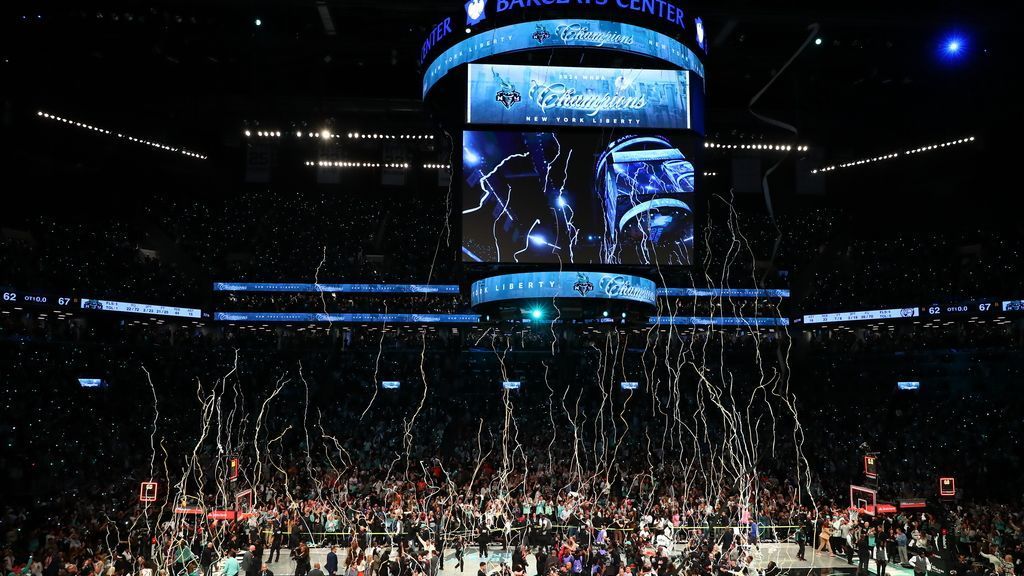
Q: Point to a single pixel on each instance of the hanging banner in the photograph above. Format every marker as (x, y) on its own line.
(591, 285)
(546, 34)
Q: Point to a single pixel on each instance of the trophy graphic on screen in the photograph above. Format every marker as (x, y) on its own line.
(648, 185)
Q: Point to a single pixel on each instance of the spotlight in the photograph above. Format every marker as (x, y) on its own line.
(953, 47)
(817, 41)
(605, 313)
(325, 134)
(259, 22)
(536, 313)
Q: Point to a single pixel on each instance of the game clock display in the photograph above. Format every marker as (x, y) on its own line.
(14, 297)
(947, 487)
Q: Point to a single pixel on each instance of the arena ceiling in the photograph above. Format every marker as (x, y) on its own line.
(194, 72)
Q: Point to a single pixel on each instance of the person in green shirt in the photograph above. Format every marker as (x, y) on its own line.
(183, 555)
(230, 564)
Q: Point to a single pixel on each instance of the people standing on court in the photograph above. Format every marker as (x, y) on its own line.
(249, 565)
(801, 541)
(276, 538)
(230, 564)
(863, 553)
(901, 545)
(460, 554)
(332, 561)
(881, 555)
(824, 538)
(207, 558)
(300, 555)
(481, 541)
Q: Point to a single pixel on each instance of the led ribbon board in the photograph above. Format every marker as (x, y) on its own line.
(347, 318)
(563, 96)
(578, 285)
(135, 308)
(716, 321)
(566, 33)
(337, 288)
(725, 292)
(887, 314)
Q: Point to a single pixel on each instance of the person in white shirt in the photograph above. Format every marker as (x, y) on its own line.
(921, 564)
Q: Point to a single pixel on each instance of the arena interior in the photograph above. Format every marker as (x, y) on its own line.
(510, 288)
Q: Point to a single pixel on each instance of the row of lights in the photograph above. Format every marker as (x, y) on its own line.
(347, 164)
(711, 173)
(928, 148)
(358, 136)
(943, 145)
(327, 135)
(772, 147)
(76, 124)
(342, 164)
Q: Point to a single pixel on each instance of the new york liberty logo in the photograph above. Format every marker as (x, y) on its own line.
(541, 34)
(508, 96)
(583, 284)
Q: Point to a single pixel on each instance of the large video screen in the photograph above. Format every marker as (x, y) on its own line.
(580, 97)
(577, 197)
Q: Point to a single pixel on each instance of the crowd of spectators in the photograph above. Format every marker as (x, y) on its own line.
(172, 252)
(571, 471)
(338, 302)
(439, 462)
